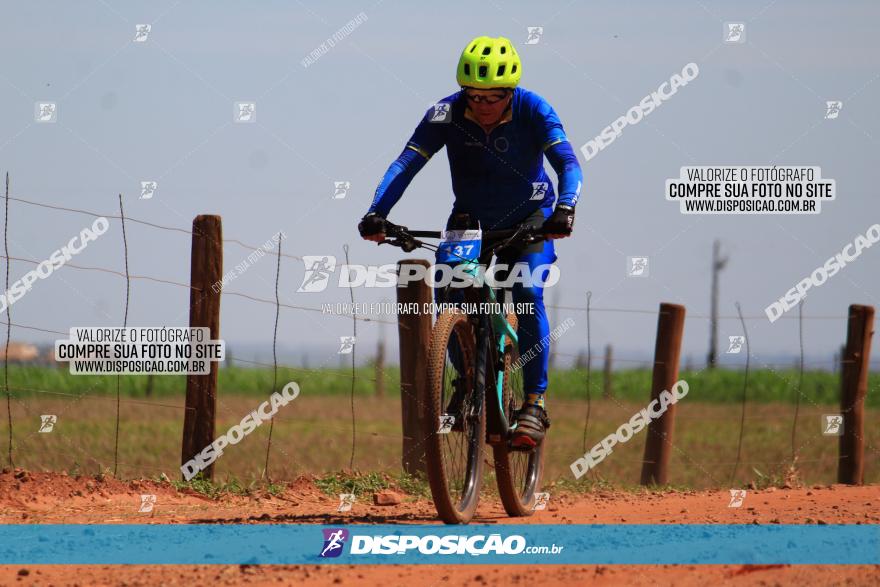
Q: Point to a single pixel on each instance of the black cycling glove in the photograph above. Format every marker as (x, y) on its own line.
(561, 221)
(371, 224)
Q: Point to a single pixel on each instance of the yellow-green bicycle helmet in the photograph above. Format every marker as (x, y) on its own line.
(488, 62)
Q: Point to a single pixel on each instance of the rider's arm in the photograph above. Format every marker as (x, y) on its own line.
(396, 179)
(559, 153)
(427, 139)
(568, 170)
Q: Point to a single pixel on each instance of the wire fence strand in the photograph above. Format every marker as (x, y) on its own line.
(274, 357)
(8, 327)
(353, 372)
(589, 371)
(800, 385)
(742, 421)
(11, 391)
(124, 325)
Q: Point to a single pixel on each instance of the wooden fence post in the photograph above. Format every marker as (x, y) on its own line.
(414, 330)
(607, 391)
(854, 388)
(206, 270)
(667, 351)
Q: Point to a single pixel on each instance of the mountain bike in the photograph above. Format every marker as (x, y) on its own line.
(475, 384)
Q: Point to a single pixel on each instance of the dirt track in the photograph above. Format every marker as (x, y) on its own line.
(53, 498)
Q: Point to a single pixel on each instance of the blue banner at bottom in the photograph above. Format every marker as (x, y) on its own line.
(528, 544)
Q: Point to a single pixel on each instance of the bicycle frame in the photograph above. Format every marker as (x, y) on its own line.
(497, 428)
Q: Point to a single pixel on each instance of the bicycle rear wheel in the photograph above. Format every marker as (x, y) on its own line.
(517, 473)
(454, 458)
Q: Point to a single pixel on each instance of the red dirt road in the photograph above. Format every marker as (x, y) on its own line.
(53, 498)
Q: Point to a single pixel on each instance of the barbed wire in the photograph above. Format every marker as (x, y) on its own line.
(353, 376)
(143, 222)
(104, 270)
(98, 397)
(280, 254)
(309, 309)
(299, 258)
(123, 218)
(690, 315)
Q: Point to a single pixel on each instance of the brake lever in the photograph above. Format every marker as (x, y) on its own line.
(407, 245)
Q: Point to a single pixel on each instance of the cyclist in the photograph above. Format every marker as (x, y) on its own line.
(496, 136)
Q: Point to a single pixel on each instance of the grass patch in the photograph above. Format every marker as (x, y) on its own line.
(275, 489)
(356, 483)
(789, 477)
(359, 483)
(590, 485)
(414, 485)
(230, 486)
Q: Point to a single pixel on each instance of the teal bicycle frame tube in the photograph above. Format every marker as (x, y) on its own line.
(501, 325)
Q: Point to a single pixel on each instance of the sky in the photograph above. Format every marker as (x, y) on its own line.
(162, 110)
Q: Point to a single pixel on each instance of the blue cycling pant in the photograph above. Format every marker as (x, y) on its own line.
(534, 327)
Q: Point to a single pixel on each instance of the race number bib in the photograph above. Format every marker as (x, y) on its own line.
(459, 245)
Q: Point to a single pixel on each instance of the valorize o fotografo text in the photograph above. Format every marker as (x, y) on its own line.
(158, 350)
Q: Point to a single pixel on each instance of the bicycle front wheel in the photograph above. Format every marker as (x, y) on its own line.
(457, 420)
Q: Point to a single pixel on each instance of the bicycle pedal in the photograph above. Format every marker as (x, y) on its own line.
(521, 447)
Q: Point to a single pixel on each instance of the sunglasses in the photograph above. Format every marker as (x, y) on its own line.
(483, 99)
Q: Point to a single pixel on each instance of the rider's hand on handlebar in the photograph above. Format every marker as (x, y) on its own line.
(560, 223)
(372, 227)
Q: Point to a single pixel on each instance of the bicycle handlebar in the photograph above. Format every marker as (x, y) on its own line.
(407, 239)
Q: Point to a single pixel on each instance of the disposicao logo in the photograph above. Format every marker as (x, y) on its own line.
(334, 539)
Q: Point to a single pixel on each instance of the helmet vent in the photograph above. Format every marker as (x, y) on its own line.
(513, 69)
(467, 69)
(482, 71)
(473, 48)
(503, 50)
(487, 50)
(501, 70)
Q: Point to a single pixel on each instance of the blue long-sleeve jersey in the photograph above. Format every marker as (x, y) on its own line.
(497, 177)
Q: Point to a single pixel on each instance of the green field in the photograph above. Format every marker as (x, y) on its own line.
(718, 386)
(313, 435)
